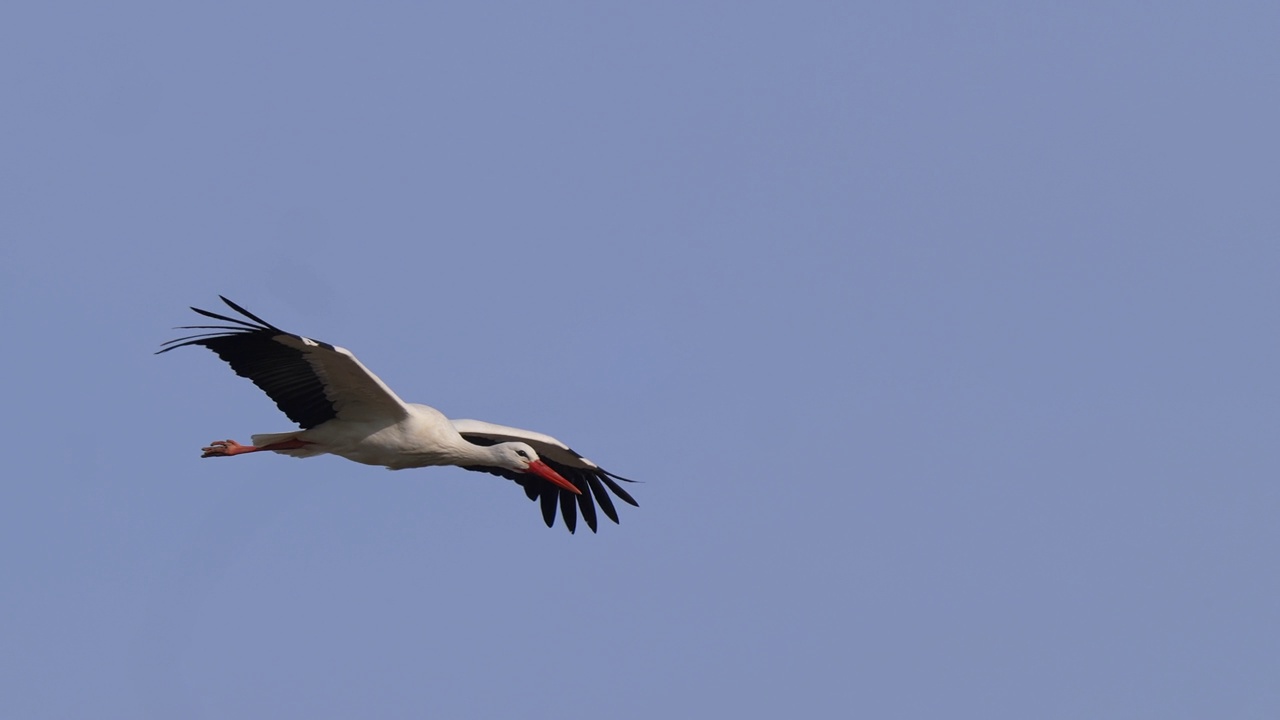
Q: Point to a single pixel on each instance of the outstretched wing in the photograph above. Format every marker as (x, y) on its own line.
(593, 480)
(310, 381)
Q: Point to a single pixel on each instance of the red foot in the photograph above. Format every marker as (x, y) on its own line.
(227, 448)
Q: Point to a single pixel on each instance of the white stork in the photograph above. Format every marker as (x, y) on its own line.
(346, 410)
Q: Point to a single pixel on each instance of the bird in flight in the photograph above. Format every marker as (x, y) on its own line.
(345, 410)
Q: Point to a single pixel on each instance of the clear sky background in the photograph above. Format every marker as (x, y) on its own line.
(944, 338)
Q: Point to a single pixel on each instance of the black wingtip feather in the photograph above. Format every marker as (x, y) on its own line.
(602, 497)
(549, 508)
(248, 314)
(587, 507)
(193, 340)
(618, 477)
(224, 318)
(617, 490)
(568, 510)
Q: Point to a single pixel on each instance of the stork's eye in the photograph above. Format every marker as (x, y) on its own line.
(523, 454)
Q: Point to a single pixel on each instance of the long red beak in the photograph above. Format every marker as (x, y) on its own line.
(542, 470)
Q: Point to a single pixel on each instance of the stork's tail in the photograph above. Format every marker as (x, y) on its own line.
(272, 438)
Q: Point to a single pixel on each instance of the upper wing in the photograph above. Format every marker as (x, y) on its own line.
(310, 381)
(590, 478)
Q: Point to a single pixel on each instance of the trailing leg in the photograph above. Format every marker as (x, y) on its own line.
(227, 448)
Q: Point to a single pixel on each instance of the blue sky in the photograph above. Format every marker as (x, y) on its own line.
(944, 339)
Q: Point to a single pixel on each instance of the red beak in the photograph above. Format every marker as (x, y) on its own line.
(542, 470)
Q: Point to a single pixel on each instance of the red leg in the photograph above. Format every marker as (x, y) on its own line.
(227, 448)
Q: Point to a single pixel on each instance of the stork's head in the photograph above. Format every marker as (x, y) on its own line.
(521, 457)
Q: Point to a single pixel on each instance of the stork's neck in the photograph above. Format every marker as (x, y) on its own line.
(468, 453)
(448, 447)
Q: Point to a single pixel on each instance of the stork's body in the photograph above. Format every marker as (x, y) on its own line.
(345, 410)
(423, 437)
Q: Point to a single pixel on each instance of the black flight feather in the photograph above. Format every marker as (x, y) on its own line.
(280, 371)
